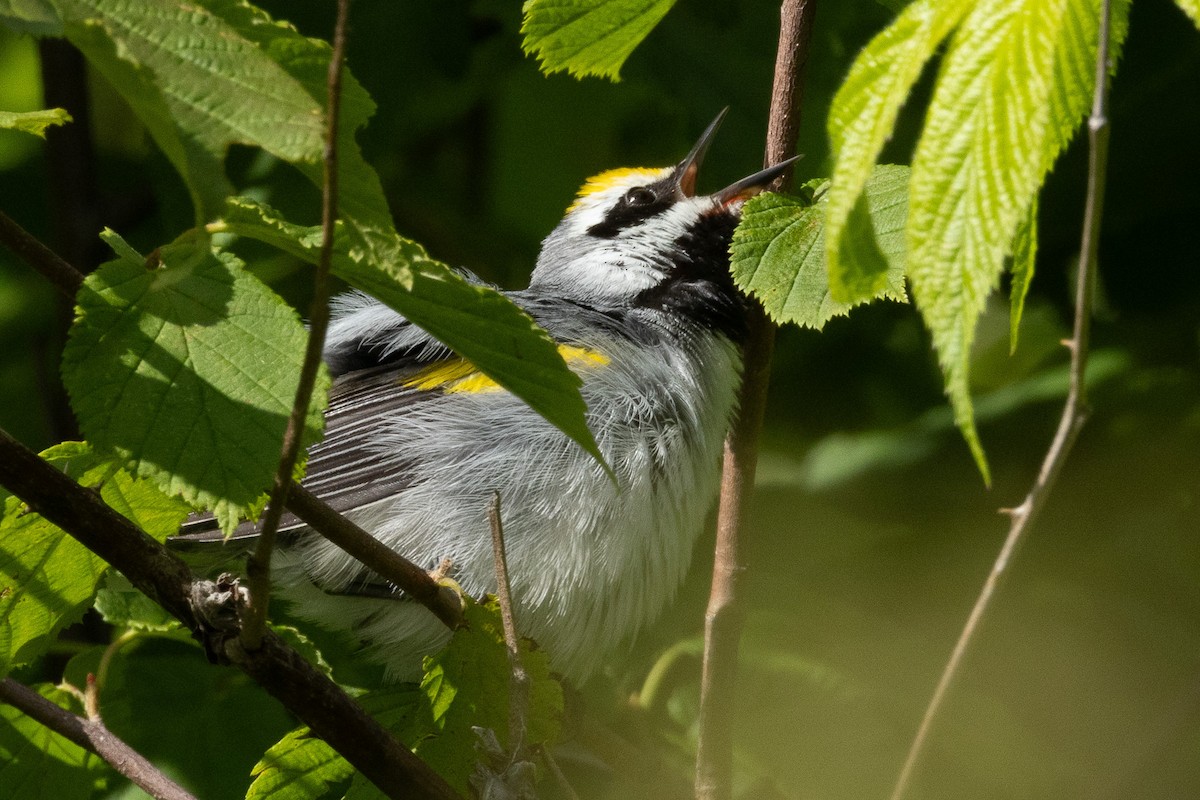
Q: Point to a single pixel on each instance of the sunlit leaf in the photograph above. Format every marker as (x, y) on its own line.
(299, 765)
(187, 371)
(778, 249)
(588, 37)
(1191, 8)
(198, 84)
(1024, 257)
(34, 122)
(860, 122)
(994, 126)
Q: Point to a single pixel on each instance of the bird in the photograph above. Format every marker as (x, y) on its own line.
(634, 286)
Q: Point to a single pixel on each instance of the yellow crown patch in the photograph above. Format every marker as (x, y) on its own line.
(613, 177)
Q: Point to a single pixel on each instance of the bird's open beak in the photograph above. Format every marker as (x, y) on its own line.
(753, 184)
(685, 172)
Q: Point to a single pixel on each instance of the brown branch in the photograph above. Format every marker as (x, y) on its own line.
(91, 735)
(416, 583)
(518, 701)
(30, 249)
(723, 618)
(159, 574)
(258, 566)
(1074, 413)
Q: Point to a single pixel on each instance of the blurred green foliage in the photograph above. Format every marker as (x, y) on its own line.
(872, 532)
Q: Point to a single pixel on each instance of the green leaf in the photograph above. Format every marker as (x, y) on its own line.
(475, 321)
(39, 764)
(778, 249)
(860, 121)
(1191, 8)
(146, 682)
(199, 85)
(188, 372)
(123, 606)
(467, 685)
(302, 766)
(1024, 257)
(35, 17)
(206, 75)
(299, 766)
(34, 122)
(588, 37)
(47, 579)
(994, 126)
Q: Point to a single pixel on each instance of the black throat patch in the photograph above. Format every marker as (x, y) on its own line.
(699, 286)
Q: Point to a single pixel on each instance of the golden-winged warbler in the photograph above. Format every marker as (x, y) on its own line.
(634, 285)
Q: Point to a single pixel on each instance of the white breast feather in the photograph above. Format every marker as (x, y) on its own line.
(590, 562)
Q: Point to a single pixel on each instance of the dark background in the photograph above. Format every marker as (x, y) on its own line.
(872, 531)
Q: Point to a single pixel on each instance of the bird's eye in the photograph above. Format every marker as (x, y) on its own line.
(639, 196)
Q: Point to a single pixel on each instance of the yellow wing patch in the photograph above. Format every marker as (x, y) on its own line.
(613, 177)
(459, 375)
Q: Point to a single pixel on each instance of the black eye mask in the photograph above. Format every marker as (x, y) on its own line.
(635, 207)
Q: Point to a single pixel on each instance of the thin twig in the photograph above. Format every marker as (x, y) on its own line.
(258, 569)
(162, 576)
(723, 618)
(91, 735)
(518, 703)
(30, 249)
(415, 582)
(564, 785)
(1074, 413)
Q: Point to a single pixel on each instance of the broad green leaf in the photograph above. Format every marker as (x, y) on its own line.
(47, 579)
(778, 249)
(1191, 8)
(475, 321)
(123, 606)
(34, 122)
(299, 765)
(198, 84)
(206, 75)
(994, 126)
(166, 701)
(36, 17)
(588, 37)
(39, 764)
(860, 121)
(302, 766)
(467, 685)
(1024, 257)
(187, 371)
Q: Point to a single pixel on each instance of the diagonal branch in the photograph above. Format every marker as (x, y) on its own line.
(723, 618)
(92, 735)
(258, 567)
(159, 574)
(415, 582)
(1074, 413)
(29, 249)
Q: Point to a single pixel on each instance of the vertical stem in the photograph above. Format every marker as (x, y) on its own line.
(519, 683)
(258, 569)
(1074, 412)
(74, 203)
(723, 618)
